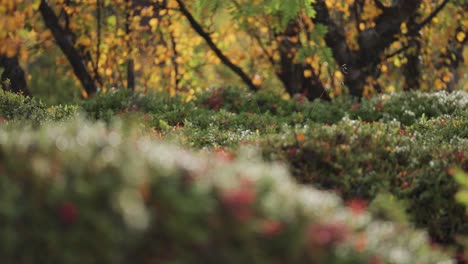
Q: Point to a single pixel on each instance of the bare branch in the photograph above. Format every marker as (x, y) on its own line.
(130, 62)
(64, 40)
(264, 50)
(412, 43)
(98, 42)
(209, 41)
(428, 19)
(380, 5)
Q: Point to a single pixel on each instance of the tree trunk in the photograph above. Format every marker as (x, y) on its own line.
(411, 70)
(291, 73)
(13, 78)
(130, 75)
(64, 41)
(130, 62)
(363, 63)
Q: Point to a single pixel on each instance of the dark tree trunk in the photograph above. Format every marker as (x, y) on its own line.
(130, 63)
(291, 73)
(130, 75)
(372, 42)
(411, 70)
(64, 40)
(13, 78)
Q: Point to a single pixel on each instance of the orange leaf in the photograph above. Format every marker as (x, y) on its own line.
(300, 137)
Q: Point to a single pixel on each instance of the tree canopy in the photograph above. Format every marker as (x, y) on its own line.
(318, 48)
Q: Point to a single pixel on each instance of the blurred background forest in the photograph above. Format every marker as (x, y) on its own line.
(64, 50)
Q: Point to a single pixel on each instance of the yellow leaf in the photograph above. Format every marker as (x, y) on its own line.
(338, 75)
(307, 73)
(439, 85)
(397, 62)
(276, 56)
(362, 26)
(293, 39)
(390, 88)
(383, 68)
(85, 41)
(108, 71)
(147, 12)
(120, 32)
(461, 36)
(257, 80)
(447, 77)
(153, 23)
(403, 28)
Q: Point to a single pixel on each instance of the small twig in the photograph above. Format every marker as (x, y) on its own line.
(130, 62)
(265, 51)
(428, 19)
(98, 42)
(209, 41)
(380, 5)
(174, 59)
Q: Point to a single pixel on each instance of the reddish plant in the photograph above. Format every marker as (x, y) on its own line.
(67, 213)
(357, 206)
(271, 228)
(239, 201)
(326, 235)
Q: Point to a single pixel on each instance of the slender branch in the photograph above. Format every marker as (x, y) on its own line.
(130, 62)
(428, 19)
(64, 40)
(174, 56)
(265, 51)
(357, 14)
(374, 41)
(224, 59)
(72, 36)
(82, 50)
(98, 42)
(380, 5)
(257, 38)
(400, 50)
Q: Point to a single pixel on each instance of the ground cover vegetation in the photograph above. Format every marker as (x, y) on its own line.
(114, 184)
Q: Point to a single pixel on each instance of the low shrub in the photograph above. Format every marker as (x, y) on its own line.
(78, 192)
(17, 107)
(405, 107)
(448, 129)
(408, 108)
(243, 106)
(403, 144)
(360, 160)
